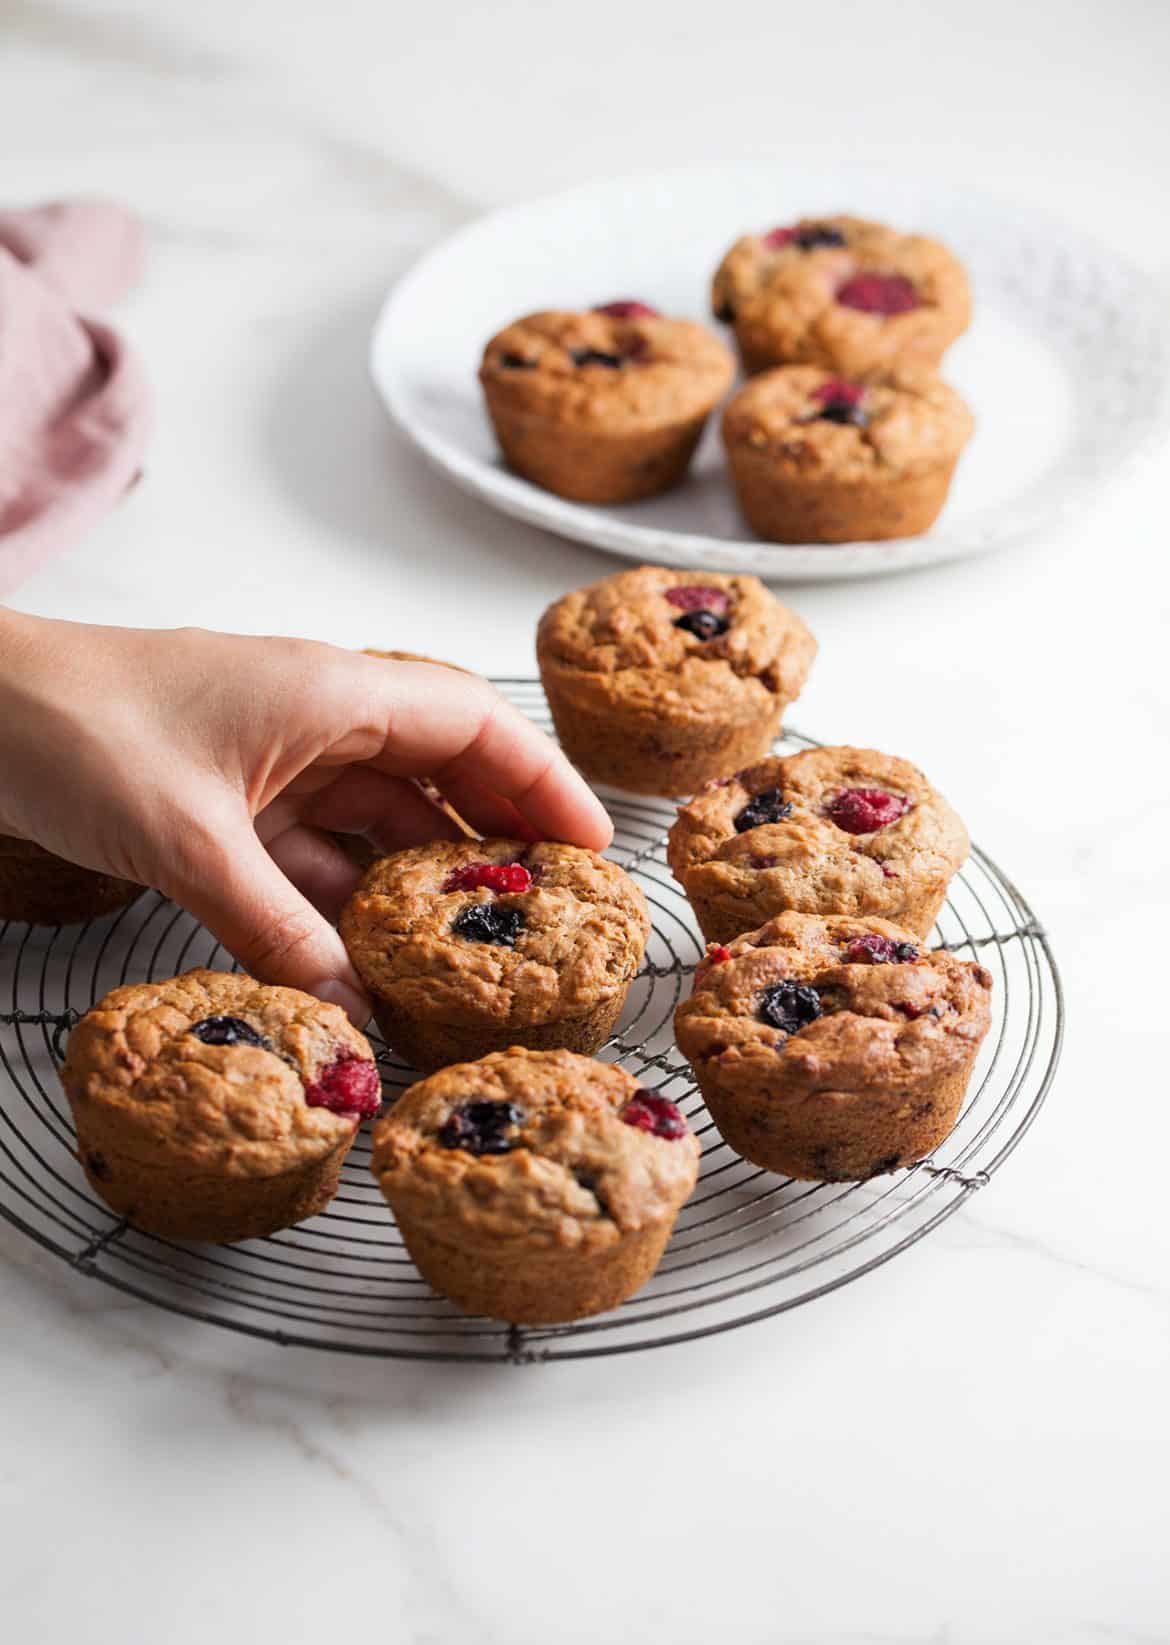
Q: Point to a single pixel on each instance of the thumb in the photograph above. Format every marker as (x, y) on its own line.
(235, 888)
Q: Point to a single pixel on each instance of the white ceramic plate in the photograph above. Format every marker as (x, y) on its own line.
(1066, 364)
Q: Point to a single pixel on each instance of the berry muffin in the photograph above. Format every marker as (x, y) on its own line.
(606, 406)
(472, 946)
(213, 1107)
(829, 831)
(833, 1049)
(817, 459)
(44, 889)
(660, 680)
(535, 1186)
(843, 293)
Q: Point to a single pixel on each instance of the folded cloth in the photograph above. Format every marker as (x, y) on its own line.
(74, 405)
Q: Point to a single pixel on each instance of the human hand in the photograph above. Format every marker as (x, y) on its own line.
(214, 767)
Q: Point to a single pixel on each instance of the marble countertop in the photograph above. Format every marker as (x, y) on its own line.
(970, 1444)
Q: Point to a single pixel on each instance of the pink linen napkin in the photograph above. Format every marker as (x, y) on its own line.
(74, 405)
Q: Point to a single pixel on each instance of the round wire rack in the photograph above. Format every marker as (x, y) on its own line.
(747, 1245)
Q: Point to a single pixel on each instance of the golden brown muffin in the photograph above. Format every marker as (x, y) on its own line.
(817, 459)
(605, 406)
(660, 680)
(45, 889)
(472, 946)
(535, 1186)
(213, 1107)
(833, 1049)
(829, 831)
(854, 296)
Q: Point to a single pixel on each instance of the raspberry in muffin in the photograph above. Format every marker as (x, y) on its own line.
(45, 889)
(660, 680)
(833, 1049)
(841, 292)
(816, 458)
(468, 947)
(213, 1107)
(535, 1186)
(604, 406)
(828, 831)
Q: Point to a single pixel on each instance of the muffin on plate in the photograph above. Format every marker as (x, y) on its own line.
(535, 1186)
(841, 292)
(603, 406)
(45, 889)
(213, 1107)
(658, 680)
(818, 459)
(828, 831)
(834, 1049)
(471, 946)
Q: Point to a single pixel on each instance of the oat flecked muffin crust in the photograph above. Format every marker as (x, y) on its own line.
(827, 831)
(818, 459)
(535, 1186)
(213, 1107)
(660, 680)
(45, 889)
(841, 292)
(459, 964)
(602, 408)
(833, 1049)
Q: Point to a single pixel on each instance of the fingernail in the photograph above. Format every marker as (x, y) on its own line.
(356, 1006)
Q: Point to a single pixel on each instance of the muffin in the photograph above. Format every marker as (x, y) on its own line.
(829, 831)
(833, 1049)
(535, 1186)
(471, 946)
(817, 459)
(213, 1107)
(660, 680)
(44, 889)
(605, 406)
(843, 293)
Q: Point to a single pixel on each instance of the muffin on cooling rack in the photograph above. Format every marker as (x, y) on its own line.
(213, 1107)
(603, 406)
(44, 889)
(472, 946)
(660, 680)
(535, 1186)
(819, 459)
(827, 831)
(833, 1049)
(841, 292)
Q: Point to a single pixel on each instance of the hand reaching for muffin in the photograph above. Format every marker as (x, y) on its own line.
(217, 767)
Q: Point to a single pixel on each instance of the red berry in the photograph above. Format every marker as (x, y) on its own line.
(808, 236)
(349, 1085)
(627, 308)
(839, 392)
(496, 876)
(658, 1115)
(874, 950)
(697, 597)
(865, 810)
(878, 294)
(718, 954)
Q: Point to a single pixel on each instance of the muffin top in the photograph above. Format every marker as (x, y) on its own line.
(215, 1072)
(841, 289)
(846, 1004)
(605, 372)
(543, 1147)
(813, 424)
(470, 931)
(840, 827)
(687, 644)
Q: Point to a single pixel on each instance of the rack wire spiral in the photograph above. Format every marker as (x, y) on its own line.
(747, 1246)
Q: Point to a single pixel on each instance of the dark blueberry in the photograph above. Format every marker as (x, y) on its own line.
(789, 1006)
(811, 235)
(96, 1165)
(842, 411)
(481, 1127)
(228, 1031)
(517, 362)
(874, 950)
(595, 357)
(726, 313)
(704, 625)
(488, 922)
(768, 806)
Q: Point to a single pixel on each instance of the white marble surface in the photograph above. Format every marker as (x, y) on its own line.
(971, 1444)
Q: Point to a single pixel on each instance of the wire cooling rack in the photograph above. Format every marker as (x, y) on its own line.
(748, 1244)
